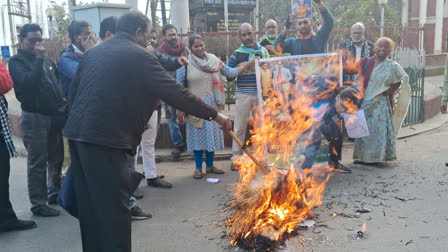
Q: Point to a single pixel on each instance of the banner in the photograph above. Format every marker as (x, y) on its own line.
(302, 9)
(281, 81)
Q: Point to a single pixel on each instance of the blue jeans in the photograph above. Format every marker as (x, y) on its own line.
(175, 134)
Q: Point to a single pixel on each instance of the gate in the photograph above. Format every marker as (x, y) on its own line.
(413, 62)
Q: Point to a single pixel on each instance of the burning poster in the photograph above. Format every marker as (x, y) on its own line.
(285, 79)
(301, 9)
(266, 207)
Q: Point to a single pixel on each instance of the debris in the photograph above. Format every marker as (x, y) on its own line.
(446, 164)
(349, 229)
(306, 224)
(402, 217)
(359, 235)
(409, 242)
(363, 210)
(213, 180)
(384, 213)
(403, 199)
(425, 237)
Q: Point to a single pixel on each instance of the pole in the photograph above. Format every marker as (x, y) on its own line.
(257, 17)
(382, 21)
(29, 10)
(162, 7)
(11, 28)
(226, 23)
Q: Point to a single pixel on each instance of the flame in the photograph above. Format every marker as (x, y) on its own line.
(363, 227)
(272, 205)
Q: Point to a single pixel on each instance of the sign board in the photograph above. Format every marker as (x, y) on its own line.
(6, 54)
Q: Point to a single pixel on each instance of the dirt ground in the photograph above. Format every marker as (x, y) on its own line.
(407, 198)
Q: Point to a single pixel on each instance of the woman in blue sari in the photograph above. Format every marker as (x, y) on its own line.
(384, 80)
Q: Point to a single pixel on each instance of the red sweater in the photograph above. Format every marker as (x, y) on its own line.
(5, 80)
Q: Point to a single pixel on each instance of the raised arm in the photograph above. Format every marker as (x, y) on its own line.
(325, 31)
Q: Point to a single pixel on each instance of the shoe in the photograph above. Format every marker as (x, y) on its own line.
(198, 174)
(340, 168)
(139, 214)
(158, 182)
(17, 225)
(214, 170)
(53, 200)
(177, 151)
(45, 211)
(138, 194)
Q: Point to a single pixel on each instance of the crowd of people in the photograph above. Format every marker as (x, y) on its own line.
(86, 97)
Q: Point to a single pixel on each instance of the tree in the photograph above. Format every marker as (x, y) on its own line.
(62, 22)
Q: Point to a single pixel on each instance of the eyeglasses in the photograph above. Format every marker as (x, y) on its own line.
(34, 40)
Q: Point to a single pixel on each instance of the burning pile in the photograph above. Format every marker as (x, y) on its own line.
(267, 208)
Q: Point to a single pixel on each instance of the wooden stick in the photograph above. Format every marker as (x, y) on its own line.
(245, 149)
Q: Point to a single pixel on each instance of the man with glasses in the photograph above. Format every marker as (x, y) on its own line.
(42, 101)
(307, 41)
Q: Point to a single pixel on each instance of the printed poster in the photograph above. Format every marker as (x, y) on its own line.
(302, 9)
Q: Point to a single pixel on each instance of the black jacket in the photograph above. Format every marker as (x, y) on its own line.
(115, 91)
(36, 85)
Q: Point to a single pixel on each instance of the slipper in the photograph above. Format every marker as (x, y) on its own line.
(198, 174)
(340, 168)
(214, 170)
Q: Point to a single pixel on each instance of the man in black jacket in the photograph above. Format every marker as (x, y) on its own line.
(111, 100)
(41, 98)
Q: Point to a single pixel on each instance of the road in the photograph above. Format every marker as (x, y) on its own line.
(408, 199)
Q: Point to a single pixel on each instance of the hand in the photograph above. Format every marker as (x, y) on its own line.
(89, 43)
(168, 113)
(299, 162)
(39, 50)
(181, 117)
(183, 61)
(149, 48)
(289, 21)
(443, 108)
(224, 121)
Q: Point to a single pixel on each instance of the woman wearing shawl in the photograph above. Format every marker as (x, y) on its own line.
(203, 78)
(382, 80)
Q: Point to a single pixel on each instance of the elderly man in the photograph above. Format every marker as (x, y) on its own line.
(307, 41)
(271, 32)
(357, 47)
(246, 85)
(100, 144)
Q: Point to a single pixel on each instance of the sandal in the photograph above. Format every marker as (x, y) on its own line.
(214, 170)
(340, 168)
(198, 174)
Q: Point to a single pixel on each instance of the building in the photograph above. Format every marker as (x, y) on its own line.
(208, 15)
(10, 25)
(432, 16)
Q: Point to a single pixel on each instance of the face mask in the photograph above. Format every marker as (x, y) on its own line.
(357, 41)
(271, 35)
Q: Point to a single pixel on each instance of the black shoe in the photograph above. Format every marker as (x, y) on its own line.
(17, 225)
(158, 182)
(139, 214)
(53, 200)
(138, 194)
(45, 211)
(177, 151)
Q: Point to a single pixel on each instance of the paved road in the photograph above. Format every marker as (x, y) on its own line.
(420, 177)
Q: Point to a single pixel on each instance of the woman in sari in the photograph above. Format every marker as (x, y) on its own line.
(382, 80)
(202, 77)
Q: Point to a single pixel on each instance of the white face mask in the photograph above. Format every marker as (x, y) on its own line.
(271, 35)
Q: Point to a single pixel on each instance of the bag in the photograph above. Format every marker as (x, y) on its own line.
(67, 197)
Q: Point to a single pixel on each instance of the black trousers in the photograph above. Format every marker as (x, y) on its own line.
(334, 136)
(101, 183)
(6, 212)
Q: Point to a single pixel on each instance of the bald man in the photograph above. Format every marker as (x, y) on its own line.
(357, 47)
(268, 39)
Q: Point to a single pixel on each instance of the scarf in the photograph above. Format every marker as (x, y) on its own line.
(166, 48)
(349, 44)
(271, 41)
(307, 36)
(262, 52)
(6, 129)
(212, 65)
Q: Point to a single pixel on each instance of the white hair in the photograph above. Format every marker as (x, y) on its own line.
(361, 24)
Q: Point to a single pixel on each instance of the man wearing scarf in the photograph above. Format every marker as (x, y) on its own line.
(307, 41)
(357, 47)
(246, 85)
(172, 47)
(268, 39)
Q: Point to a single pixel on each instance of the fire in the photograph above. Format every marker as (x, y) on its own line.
(272, 205)
(363, 227)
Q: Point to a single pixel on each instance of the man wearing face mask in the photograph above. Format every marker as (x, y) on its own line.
(123, 89)
(357, 47)
(307, 41)
(42, 101)
(268, 40)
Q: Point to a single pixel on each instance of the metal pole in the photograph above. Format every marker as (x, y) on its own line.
(11, 28)
(226, 23)
(257, 17)
(29, 10)
(162, 7)
(382, 21)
